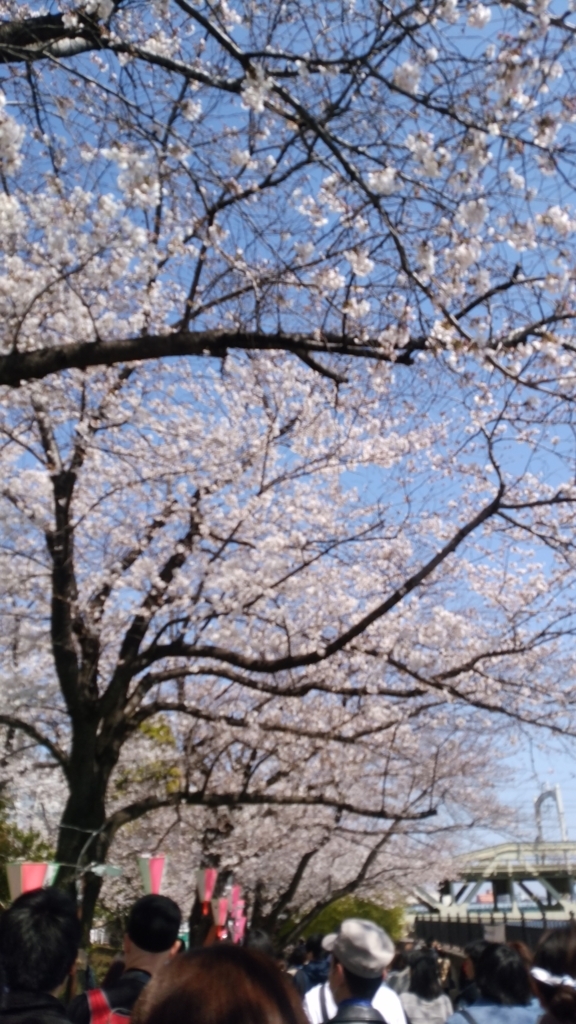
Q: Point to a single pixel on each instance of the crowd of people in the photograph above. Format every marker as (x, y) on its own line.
(354, 975)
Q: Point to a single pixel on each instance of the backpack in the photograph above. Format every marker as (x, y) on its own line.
(101, 1011)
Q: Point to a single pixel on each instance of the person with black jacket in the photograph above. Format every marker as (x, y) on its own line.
(151, 940)
(39, 940)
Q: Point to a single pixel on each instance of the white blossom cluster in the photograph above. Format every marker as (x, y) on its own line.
(290, 517)
(270, 182)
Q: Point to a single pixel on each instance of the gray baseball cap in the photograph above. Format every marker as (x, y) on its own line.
(362, 947)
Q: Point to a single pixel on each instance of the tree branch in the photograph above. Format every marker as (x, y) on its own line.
(133, 811)
(46, 35)
(21, 366)
(291, 661)
(344, 890)
(14, 722)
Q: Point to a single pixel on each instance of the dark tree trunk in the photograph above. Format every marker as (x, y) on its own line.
(82, 837)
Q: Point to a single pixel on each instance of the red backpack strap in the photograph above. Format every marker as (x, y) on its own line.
(99, 1006)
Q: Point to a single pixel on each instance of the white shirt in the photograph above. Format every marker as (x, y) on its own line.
(385, 1000)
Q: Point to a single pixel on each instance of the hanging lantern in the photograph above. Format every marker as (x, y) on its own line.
(220, 915)
(24, 876)
(207, 878)
(151, 871)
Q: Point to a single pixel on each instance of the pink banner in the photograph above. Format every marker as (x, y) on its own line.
(156, 872)
(220, 911)
(33, 876)
(207, 878)
(24, 876)
(151, 872)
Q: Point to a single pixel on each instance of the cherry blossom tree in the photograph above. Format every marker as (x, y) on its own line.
(364, 179)
(325, 558)
(245, 588)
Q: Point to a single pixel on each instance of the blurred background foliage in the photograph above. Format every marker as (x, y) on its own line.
(330, 918)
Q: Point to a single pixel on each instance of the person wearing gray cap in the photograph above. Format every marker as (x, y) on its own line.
(361, 952)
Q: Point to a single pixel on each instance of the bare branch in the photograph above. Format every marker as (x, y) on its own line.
(13, 722)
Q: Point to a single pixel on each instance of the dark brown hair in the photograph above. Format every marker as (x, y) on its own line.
(556, 953)
(502, 977)
(524, 953)
(219, 984)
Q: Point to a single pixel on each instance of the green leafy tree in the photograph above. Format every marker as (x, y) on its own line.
(330, 918)
(17, 844)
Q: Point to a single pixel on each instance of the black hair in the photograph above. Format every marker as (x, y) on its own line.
(360, 988)
(39, 940)
(399, 962)
(297, 957)
(474, 949)
(259, 941)
(424, 981)
(556, 953)
(154, 923)
(502, 977)
(314, 946)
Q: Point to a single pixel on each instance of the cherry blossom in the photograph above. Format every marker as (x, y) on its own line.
(286, 336)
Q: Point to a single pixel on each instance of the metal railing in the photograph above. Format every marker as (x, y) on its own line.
(458, 931)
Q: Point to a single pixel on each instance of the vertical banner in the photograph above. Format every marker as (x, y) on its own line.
(151, 871)
(51, 873)
(220, 915)
(24, 876)
(206, 881)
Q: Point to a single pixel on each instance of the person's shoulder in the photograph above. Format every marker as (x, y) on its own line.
(458, 1017)
(124, 993)
(389, 1004)
(483, 1012)
(313, 993)
(388, 995)
(302, 981)
(32, 1008)
(78, 1010)
(312, 1005)
(357, 1013)
(526, 1014)
(312, 996)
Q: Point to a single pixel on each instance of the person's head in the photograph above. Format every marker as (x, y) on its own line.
(314, 949)
(502, 977)
(297, 957)
(259, 940)
(424, 981)
(152, 932)
(216, 985)
(399, 963)
(473, 951)
(39, 940)
(524, 953)
(554, 973)
(361, 952)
